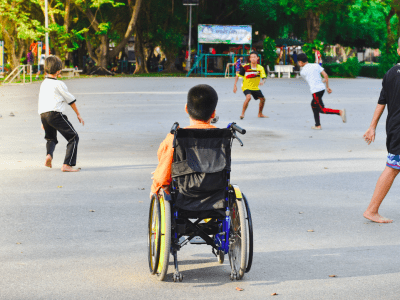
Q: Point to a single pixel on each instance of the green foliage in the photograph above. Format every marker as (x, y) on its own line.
(360, 25)
(350, 69)
(308, 49)
(269, 54)
(369, 70)
(387, 60)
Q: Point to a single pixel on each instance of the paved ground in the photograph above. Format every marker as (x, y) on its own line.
(52, 246)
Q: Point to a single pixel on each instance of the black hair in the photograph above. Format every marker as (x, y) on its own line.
(302, 57)
(253, 52)
(52, 64)
(201, 102)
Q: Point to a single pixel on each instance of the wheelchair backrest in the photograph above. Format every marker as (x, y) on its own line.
(200, 171)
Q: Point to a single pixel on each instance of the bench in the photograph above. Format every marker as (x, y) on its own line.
(70, 72)
(270, 73)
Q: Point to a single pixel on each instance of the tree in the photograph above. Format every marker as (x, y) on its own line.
(17, 28)
(102, 16)
(312, 10)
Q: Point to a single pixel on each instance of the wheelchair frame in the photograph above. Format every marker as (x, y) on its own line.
(232, 229)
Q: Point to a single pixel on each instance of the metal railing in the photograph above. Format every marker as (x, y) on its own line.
(16, 73)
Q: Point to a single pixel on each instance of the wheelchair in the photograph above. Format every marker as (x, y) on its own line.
(203, 207)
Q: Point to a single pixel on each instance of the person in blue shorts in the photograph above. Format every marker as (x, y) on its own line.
(390, 97)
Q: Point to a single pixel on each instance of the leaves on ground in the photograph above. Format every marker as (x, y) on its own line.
(332, 275)
(239, 289)
(92, 210)
(60, 186)
(310, 230)
(274, 294)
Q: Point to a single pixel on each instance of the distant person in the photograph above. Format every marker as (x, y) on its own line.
(238, 64)
(53, 99)
(318, 57)
(41, 65)
(312, 74)
(295, 61)
(390, 96)
(30, 59)
(252, 74)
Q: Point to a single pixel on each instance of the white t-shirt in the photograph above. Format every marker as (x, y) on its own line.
(42, 59)
(312, 74)
(54, 96)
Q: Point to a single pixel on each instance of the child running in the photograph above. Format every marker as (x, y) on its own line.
(252, 74)
(312, 74)
(201, 103)
(53, 99)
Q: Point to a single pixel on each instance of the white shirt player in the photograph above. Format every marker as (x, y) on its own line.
(54, 96)
(312, 74)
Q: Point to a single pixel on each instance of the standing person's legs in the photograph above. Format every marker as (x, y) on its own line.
(383, 185)
(246, 102)
(258, 95)
(50, 136)
(62, 124)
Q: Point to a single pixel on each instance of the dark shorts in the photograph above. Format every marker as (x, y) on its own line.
(256, 94)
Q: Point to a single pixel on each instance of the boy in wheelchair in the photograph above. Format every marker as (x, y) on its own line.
(190, 182)
(201, 104)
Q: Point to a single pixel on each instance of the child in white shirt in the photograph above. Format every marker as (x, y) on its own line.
(53, 99)
(312, 74)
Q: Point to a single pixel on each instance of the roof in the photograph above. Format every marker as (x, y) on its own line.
(288, 42)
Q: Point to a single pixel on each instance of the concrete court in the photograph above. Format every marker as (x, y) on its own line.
(83, 236)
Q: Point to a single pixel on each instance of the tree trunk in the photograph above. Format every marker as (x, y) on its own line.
(170, 63)
(313, 26)
(390, 36)
(141, 66)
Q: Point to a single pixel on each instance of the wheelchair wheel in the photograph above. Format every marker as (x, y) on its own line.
(165, 238)
(249, 235)
(154, 234)
(238, 240)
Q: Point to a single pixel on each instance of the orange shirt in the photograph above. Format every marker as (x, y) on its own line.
(165, 153)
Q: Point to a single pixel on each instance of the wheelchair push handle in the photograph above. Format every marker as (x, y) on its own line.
(237, 128)
(174, 128)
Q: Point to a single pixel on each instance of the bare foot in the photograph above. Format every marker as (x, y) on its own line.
(376, 218)
(48, 161)
(67, 168)
(241, 117)
(262, 116)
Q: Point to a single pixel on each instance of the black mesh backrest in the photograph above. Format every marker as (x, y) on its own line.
(202, 159)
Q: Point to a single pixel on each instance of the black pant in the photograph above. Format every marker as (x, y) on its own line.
(54, 121)
(318, 107)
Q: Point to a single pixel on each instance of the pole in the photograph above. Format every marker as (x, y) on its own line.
(47, 27)
(190, 36)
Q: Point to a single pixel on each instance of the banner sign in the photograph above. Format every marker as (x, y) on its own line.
(2, 56)
(220, 34)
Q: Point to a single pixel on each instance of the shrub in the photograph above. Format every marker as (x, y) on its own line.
(269, 52)
(369, 71)
(307, 48)
(387, 60)
(351, 68)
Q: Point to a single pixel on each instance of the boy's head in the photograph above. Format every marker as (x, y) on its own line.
(253, 57)
(52, 65)
(201, 102)
(302, 59)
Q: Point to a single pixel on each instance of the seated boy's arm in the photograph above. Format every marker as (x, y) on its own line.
(162, 175)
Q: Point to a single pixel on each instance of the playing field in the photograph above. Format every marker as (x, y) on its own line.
(84, 235)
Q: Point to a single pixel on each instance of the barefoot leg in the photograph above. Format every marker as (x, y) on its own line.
(67, 168)
(261, 107)
(48, 161)
(245, 105)
(383, 185)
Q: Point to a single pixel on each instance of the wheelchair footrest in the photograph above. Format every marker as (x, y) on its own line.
(197, 240)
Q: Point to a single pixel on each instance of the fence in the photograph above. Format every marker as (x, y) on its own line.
(217, 64)
(16, 73)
